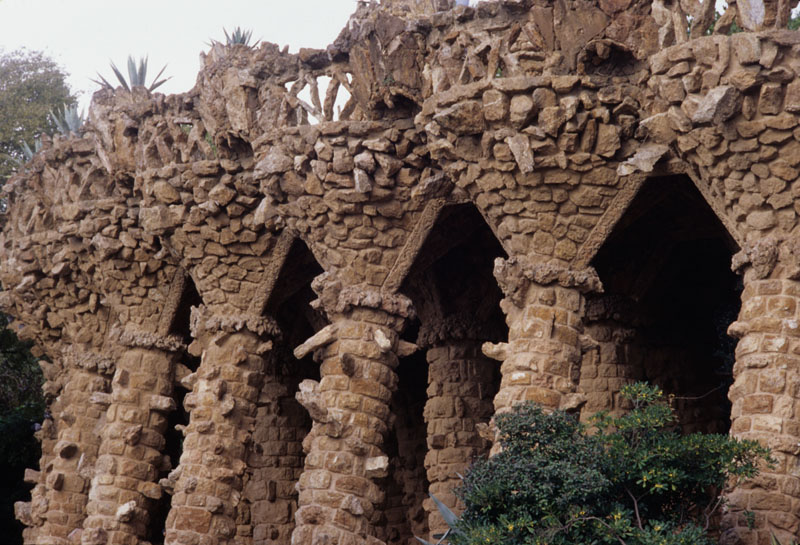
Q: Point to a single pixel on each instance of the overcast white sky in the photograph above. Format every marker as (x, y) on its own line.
(84, 35)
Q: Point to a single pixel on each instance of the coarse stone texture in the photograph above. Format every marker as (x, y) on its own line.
(125, 483)
(547, 120)
(460, 380)
(765, 398)
(544, 308)
(275, 462)
(222, 405)
(350, 406)
(58, 505)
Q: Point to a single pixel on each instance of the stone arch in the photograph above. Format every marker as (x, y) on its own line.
(276, 458)
(625, 197)
(457, 298)
(183, 297)
(669, 296)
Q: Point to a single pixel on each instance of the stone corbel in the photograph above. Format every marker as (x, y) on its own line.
(764, 256)
(516, 273)
(761, 255)
(321, 338)
(337, 299)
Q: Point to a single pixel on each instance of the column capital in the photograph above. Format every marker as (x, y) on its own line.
(131, 336)
(761, 256)
(78, 358)
(204, 319)
(517, 272)
(335, 298)
(775, 257)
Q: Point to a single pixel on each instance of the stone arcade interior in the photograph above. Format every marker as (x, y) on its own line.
(669, 296)
(264, 319)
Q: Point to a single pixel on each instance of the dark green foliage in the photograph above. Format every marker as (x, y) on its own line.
(31, 85)
(21, 409)
(20, 376)
(634, 480)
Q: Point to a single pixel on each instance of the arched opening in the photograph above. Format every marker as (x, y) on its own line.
(276, 459)
(457, 298)
(173, 437)
(669, 298)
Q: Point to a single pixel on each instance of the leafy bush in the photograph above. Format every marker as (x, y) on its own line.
(632, 480)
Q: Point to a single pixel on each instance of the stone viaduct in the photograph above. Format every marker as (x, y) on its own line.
(283, 307)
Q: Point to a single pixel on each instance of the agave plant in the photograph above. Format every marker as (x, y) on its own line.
(239, 36)
(27, 152)
(67, 120)
(137, 76)
(449, 517)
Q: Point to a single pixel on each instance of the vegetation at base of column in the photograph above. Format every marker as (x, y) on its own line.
(631, 480)
(22, 407)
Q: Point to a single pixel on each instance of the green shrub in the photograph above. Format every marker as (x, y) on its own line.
(630, 480)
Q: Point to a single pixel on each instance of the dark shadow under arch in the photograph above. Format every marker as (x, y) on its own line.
(276, 458)
(669, 297)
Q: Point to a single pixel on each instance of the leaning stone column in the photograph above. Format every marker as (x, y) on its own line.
(766, 400)
(340, 495)
(57, 508)
(460, 391)
(222, 406)
(59, 501)
(125, 484)
(544, 307)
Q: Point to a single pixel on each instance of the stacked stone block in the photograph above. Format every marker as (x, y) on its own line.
(544, 308)
(460, 391)
(345, 453)
(613, 362)
(765, 398)
(60, 500)
(222, 406)
(130, 462)
(546, 116)
(276, 457)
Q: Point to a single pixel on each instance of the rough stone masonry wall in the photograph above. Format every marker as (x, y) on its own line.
(546, 117)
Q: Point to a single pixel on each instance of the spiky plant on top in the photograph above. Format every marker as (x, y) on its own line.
(239, 36)
(27, 152)
(67, 119)
(137, 76)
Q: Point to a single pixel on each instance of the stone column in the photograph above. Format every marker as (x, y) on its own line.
(206, 504)
(58, 503)
(544, 307)
(276, 460)
(766, 404)
(340, 491)
(460, 391)
(125, 484)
